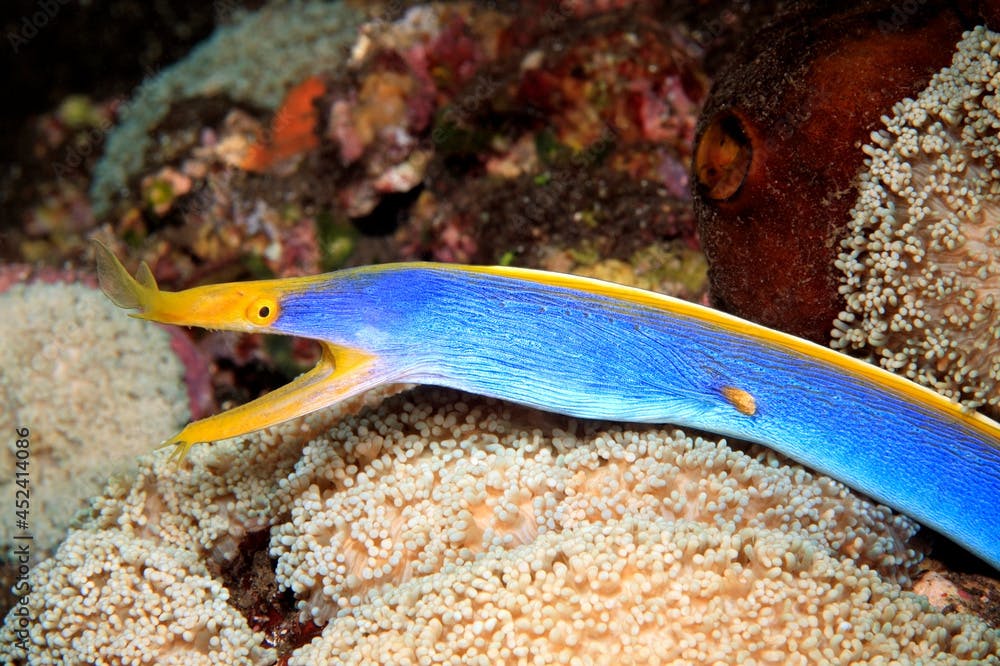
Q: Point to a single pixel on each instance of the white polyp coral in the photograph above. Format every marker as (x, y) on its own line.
(231, 488)
(422, 489)
(473, 532)
(142, 557)
(112, 597)
(648, 590)
(921, 264)
(92, 387)
(441, 528)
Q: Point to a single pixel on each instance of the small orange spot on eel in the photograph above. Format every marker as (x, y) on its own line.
(740, 399)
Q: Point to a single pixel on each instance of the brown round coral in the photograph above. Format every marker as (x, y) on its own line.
(778, 149)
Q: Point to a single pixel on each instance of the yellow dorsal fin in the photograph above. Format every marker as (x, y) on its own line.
(116, 283)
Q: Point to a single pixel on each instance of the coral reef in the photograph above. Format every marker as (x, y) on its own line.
(454, 131)
(519, 133)
(46, 210)
(580, 151)
(778, 151)
(175, 520)
(240, 62)
(293, 130)
(436, 526)
(961, 592)
(76, 373)
(114, 597)
(631, 591)
(445, 485)
(921, 264)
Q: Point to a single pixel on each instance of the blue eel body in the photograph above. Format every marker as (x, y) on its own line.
(590, 349)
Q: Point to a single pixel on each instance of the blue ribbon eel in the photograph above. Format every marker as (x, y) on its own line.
(593, 349)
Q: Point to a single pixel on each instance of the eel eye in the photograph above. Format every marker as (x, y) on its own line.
(262, 311)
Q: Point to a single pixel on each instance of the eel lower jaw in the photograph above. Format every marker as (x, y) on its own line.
(340, 373)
